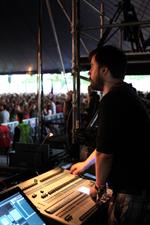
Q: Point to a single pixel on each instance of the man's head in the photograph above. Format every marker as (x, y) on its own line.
(20, 117)
(103, 60)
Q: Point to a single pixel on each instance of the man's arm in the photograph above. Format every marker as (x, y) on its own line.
(103, 167)
(80, 167)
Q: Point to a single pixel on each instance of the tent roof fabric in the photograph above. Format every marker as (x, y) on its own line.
(19, 23)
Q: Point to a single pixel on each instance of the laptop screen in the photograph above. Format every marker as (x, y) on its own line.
(16, 208)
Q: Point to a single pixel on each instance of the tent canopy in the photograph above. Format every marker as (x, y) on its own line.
(21, 20)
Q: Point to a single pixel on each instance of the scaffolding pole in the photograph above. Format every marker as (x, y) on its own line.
(75, 71)
(39, 75)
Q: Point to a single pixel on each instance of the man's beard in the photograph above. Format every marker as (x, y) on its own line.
(98, 83)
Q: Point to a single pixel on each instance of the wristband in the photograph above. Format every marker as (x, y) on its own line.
(100, 190)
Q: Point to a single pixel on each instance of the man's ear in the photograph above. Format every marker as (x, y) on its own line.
(104, 70)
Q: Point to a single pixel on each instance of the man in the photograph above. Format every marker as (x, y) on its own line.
(121, 154)
(4, 114)
(5, 138)
(22, 132)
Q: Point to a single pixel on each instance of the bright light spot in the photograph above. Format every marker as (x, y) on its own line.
(29, 71)
(84, 190)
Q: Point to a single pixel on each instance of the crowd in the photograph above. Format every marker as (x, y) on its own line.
(27, 104)
(12, 106)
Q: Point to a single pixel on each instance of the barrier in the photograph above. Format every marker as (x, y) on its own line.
(11, 125)
(58, 117)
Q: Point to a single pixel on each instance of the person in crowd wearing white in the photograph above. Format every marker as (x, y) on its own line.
(4, 114)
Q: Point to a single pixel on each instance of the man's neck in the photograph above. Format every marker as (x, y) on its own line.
(110, 85)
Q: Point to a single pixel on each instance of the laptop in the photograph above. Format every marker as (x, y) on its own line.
(16, 208)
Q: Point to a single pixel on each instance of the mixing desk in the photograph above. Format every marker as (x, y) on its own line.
(60, 196)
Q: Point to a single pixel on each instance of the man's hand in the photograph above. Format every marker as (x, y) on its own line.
(93, 194)
(102, 197)
(78, 168)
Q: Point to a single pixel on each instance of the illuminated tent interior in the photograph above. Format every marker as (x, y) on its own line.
(38, 37)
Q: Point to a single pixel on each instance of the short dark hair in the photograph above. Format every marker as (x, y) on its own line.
(20, 116)
(112, 57)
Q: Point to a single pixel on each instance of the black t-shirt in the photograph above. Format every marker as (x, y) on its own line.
(124, 130)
